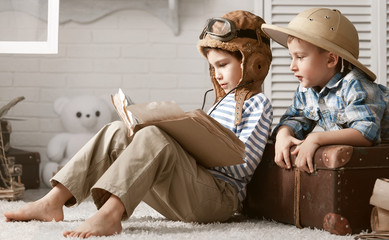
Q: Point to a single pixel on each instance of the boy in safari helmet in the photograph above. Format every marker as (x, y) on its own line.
(336, 91)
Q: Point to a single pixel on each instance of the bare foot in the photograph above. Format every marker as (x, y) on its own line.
(100, 224)
(106, 222)
(42, 210)
(45, 209)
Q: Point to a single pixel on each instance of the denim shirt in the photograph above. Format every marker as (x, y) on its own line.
(352, 101)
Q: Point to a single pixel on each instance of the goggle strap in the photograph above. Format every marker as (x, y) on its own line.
(249, 33)
(246, 33)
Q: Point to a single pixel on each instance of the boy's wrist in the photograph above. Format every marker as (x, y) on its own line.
(284, 131)
(314, 138)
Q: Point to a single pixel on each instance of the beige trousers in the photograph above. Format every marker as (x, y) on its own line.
(152, 167)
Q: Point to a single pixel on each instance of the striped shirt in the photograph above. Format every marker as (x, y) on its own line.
(349, 102)
(253, 131)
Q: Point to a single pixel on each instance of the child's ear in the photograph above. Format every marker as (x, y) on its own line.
(333, 60)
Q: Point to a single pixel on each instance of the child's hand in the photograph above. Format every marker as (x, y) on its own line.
(282, 147)
(305, 153)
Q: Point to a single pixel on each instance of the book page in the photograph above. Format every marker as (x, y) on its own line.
(133, 114)
(156, 111)
(120, 103)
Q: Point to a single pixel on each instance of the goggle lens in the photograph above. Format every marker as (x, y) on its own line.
(219, 28)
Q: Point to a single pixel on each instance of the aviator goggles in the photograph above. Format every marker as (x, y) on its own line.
(225, 30)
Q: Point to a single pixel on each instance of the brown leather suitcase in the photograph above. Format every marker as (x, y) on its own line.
(30, 162)
(334, 198)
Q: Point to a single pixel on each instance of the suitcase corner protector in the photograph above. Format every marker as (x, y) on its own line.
(336, 224)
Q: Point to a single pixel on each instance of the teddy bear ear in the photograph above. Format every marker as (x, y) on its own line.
(60, 103)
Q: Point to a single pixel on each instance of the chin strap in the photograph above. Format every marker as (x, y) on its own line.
(239, 106)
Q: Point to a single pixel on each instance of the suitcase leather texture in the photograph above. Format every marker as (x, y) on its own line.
(30, 162)
(334, 198)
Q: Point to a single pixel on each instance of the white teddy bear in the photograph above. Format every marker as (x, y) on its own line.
(81, 117)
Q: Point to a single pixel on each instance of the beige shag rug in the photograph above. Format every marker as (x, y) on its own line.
(146, 223)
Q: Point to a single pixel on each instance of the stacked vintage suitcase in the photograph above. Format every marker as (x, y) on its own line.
(30, 161)
(19, 169)
(334, 198)
(27, 159)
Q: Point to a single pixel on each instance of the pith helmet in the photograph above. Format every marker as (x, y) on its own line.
(325, 28)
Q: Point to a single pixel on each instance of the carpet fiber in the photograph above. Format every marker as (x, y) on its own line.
(146, 223)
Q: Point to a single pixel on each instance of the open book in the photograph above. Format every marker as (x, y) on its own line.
(210, 143)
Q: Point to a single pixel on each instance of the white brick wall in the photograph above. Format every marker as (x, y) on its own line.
(130, 49)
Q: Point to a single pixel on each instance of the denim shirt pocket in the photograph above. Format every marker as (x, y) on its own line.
(311, 113)
(338, 119)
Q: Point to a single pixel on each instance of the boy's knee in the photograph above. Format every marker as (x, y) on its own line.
(152, 132)
(155, 137)
(117, 125)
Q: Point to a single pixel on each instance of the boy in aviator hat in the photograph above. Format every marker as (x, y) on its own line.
(241, 106)
(119, 172)
(245, 38)
(336, 91)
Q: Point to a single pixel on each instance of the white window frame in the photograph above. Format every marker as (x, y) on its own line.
(50, 46)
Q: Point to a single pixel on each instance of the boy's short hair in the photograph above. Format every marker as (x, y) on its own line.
(291, 37)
